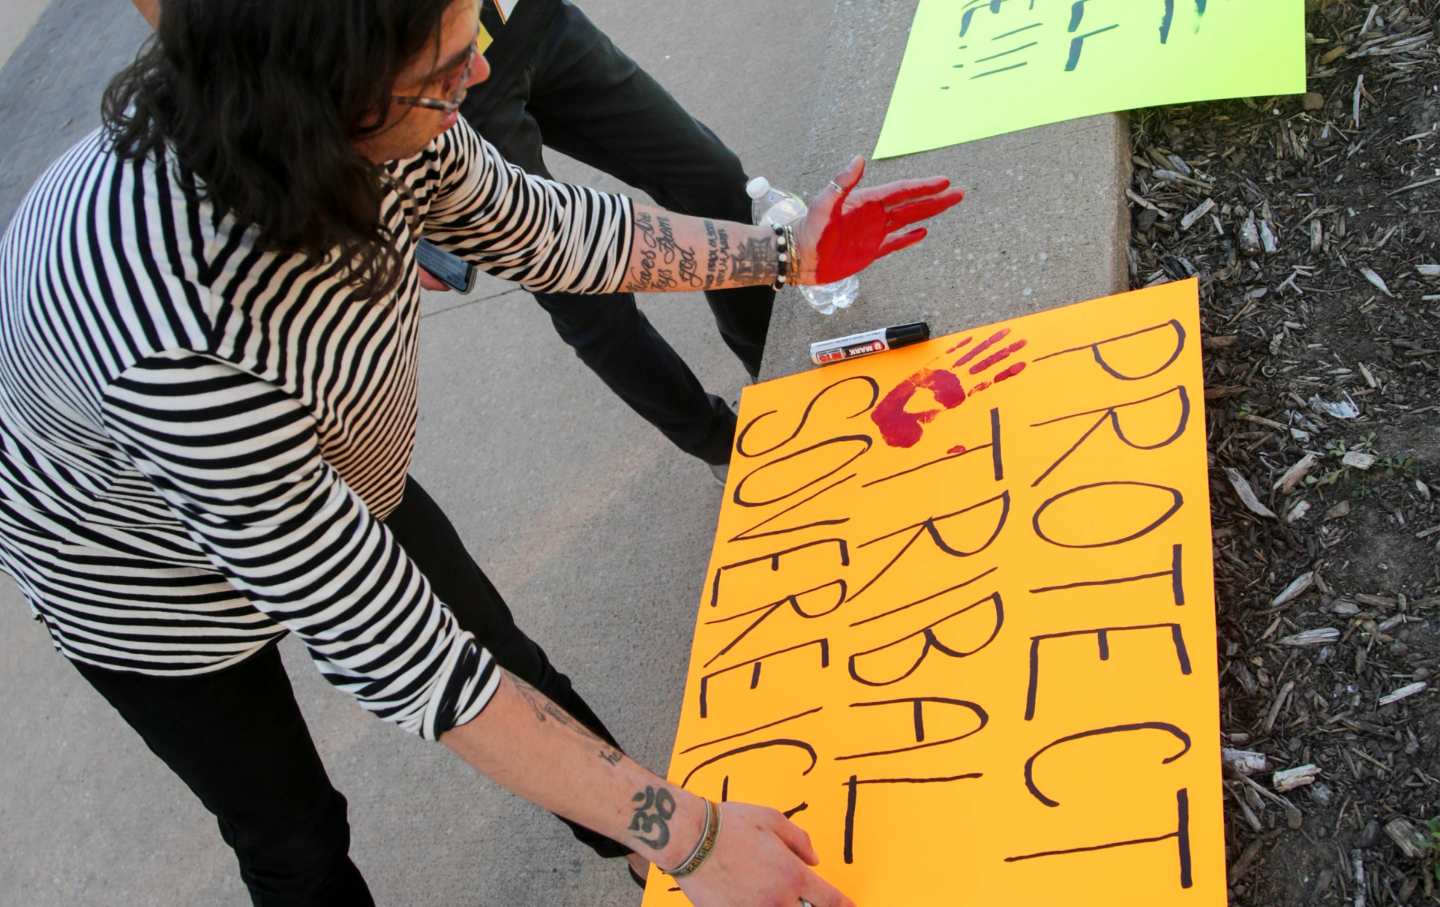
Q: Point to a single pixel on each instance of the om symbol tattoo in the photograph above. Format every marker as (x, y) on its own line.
(652, 816)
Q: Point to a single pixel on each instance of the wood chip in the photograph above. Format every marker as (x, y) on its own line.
(1248, 857)
(1203, 209)
(1370, 17)
(1268, 241)
(1377, 281)
(1318, 637)
(1376, 601)
(1247, 494)
(1428, 270)
(1244, 762)
(1261, 420)
(1298, 511)
(1247, 232)
(1225, 391)
(1358, 460)
(1277, 705)
(1421, 184)
(1404, 692)
(1146, 204)
(1412, 841)
(1297, 588)
(1390, 623)
(1291, 778)
(1296, 474)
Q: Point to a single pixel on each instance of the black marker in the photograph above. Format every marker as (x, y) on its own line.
(824, 352)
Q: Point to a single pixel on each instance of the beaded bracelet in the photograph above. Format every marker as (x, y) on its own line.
(703, 847)
(782, 252)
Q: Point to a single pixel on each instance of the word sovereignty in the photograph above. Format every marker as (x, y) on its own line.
(959, 620)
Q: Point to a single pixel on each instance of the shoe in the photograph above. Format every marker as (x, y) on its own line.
(721, 472)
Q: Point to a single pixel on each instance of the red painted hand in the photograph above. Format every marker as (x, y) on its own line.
(848, 229)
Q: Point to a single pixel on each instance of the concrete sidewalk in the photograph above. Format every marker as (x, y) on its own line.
(593, 527)
(1044, 222)
(16, 18)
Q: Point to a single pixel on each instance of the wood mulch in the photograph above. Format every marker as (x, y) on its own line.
(1311, 222)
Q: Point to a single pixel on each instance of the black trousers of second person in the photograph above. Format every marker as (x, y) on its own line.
(581, 95)
(237, 739)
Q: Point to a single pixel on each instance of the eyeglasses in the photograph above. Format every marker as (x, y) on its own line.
(454, 85)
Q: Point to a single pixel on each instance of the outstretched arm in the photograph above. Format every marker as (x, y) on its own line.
(529, 745)
(846, 230)
(670, 251)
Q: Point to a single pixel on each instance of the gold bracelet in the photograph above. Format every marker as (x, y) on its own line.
(794, 275)
(703, 847)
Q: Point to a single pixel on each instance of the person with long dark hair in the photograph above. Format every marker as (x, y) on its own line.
(558, 81)
(208, 338)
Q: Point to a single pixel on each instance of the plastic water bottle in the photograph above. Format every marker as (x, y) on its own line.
(777, 208)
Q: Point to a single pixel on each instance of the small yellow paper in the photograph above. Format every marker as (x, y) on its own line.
(978, 68)
(959, 619)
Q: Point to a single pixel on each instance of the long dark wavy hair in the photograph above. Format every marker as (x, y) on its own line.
(262, 100)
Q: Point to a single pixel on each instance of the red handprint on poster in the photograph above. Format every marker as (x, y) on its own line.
(901, 427)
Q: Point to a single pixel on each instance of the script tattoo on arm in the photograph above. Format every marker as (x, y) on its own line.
(545, 710)
(665, 263)
(685, 260)
(671, 251)
(717, 258)
(654, 807)
(645, 249)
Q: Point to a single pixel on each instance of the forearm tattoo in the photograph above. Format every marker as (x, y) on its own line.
(545, 710)
(654, 807)
(717, 255)
(663, 262)
(754, 262)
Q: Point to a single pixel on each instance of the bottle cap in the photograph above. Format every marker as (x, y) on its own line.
(902, 334)
(757, 187)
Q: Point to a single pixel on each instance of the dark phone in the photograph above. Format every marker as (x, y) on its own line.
(456, 272)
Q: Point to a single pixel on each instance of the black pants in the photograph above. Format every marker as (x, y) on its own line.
(582, 96)
(237, 739)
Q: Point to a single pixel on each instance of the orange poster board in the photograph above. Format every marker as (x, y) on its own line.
(959, 620)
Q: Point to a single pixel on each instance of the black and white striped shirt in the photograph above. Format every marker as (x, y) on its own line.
(198, 437)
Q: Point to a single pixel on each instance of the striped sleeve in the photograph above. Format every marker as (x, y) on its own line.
(545, 235)
(239, 463)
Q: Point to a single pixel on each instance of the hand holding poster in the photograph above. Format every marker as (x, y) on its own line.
(978, 68)
(959, 620)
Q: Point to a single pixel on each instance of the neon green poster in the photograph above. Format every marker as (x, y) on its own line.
(977, 68)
